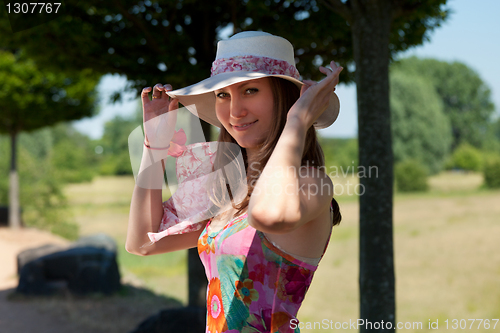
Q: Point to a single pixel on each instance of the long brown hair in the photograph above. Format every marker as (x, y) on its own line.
(285, 94)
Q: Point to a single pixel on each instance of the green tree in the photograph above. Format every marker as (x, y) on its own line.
(44, 204)
(379, 29)
(147, 41)
(420, 129)
(31, 99)
(48, 158)
(465, 96)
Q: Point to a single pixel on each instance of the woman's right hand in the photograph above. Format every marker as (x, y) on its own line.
(158, 125)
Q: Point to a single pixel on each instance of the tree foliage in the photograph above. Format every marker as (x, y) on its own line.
(175, 41)
(31, 98)
(466, 97)
(420, 129)
(147, 41)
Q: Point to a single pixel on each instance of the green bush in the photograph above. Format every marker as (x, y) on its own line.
(466, 157)
(411, 176)
(491, 173)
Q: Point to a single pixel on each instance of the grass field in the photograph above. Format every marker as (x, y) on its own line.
(446, 241)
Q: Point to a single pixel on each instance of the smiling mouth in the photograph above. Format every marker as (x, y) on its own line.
(244, 126)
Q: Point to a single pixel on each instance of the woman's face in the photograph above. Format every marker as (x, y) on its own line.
(249, 102)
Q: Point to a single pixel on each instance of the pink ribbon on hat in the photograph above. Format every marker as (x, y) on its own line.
(249, 63)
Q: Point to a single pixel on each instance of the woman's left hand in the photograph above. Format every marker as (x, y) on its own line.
(315, 96)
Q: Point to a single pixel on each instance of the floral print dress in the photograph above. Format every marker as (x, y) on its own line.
(253, 285)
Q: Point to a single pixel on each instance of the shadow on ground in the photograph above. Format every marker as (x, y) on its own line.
(65, 312)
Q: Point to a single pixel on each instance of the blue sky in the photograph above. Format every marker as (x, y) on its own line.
(471, 35)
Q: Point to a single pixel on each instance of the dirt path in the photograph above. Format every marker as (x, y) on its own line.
(62, 314)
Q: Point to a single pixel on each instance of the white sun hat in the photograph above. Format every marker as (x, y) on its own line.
(246, 56)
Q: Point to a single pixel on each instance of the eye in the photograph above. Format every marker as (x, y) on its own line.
(222, 95)
(251, 91)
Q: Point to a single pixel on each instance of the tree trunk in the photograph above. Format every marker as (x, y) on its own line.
(371, 22)
(14, 216)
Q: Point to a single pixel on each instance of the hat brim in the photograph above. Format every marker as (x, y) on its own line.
(199, 98)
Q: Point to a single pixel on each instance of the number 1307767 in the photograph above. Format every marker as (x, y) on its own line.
(471, 323)
(33, 7)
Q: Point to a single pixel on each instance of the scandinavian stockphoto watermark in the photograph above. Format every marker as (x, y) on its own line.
(345, 179)
(429, 324)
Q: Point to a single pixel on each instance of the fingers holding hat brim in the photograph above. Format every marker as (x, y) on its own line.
(332, 75)
(159, 90)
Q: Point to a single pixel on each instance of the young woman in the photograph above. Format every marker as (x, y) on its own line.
(261, 246)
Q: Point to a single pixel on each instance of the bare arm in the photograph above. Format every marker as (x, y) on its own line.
(146, 212)
(287, 196)
(146, 208)
(282, 200)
